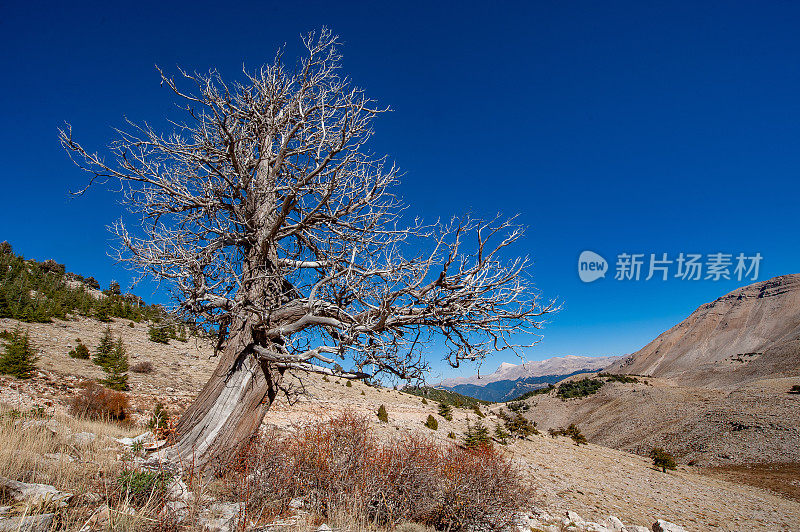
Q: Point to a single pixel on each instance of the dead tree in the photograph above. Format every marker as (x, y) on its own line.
(275, 226)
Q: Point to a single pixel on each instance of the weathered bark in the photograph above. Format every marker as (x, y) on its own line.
(231, 406)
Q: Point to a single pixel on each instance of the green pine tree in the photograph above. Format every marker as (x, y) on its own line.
(158, 334)
(79, 351)
(18, 358)
(104, 351)
(431, 422)
(476, 435)
(445, 411)
(383, 415)
(117, 368)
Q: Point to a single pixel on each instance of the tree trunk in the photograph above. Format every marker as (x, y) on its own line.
(230, 408)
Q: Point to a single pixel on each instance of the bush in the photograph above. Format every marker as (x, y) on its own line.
(348, 384)
(501, 435)
(96, 402)
(144, 367)
(445, 411)
(159, 421)
(383, 415)
(341, 464)
(431, 423)
(795, 389)
(18, 358)
(662, 459)
(141, 487)
(572, 431)
(79, 351)
(518, 425)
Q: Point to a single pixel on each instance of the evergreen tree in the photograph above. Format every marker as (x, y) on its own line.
(383, 415)
(662, 459)
(476, 435)
(501, 435)
(117, 368)
(445, 411)
(18, 358)
(431, 422)
(105, 349)
(79, 351)
(158, 334)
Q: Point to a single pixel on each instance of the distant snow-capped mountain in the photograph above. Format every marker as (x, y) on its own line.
(511, 380)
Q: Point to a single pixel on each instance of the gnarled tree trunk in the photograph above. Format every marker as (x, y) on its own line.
(230, 407)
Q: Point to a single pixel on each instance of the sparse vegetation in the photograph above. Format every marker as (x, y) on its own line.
(431, 422)
(142, 486)
(662, 459)
(579, 388)
(613, 377)
(38, 292)
(444, 396)
(18, 358)
(501, 435)
(795, 389)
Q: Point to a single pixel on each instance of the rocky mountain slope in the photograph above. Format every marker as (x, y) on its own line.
(590, 480)
(512, 380)
(716, 391)
(749, 334)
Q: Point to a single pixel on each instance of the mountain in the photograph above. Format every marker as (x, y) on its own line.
(716, 391)
(512, 380)
(748, 334)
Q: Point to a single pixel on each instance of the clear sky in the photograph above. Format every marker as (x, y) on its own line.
(639, 127)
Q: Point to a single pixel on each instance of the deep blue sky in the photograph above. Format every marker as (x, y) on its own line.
(645, 127)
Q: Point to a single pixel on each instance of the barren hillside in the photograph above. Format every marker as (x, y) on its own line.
(749, 334)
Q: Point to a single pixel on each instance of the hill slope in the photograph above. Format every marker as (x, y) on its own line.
(746, 335)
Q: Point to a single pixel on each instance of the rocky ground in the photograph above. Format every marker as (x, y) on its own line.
(591, 481)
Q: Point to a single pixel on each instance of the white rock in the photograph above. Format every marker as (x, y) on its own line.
(141, 438)
(614, 524)
(636, 528)
(82, 439)
(574, 518)
(296, 503)
(589, 526)
(31, 523)
(666, 526)
(34, 494)
(221, 517)
(59, 457)
(324, 528)
(178, 509)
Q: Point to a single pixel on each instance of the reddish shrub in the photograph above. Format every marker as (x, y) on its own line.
(341, 463)
(97, 402)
